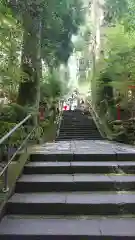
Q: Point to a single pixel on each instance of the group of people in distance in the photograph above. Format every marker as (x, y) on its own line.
(73, 102)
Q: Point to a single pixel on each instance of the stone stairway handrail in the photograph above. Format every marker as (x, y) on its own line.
(4, 171)
(96, 120)
(59, 118)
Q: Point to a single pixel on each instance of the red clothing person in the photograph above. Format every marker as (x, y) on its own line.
(65, 107)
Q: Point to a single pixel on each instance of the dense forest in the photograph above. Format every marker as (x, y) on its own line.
(35, 39)
(115, 70)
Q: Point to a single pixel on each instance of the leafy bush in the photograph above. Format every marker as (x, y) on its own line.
(7, 114)
(20, 134)
(21, 112)
(12, 113)
(9, 147)
(45, 124)
(37, 134)
(16, 138)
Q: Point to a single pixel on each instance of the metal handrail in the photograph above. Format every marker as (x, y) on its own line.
(5, 137)
(4, 171)
(97, 120)
(59, 120)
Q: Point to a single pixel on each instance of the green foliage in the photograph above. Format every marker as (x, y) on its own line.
(83, 38)
(46, 27)
(121, 11)
(57, 20)
(10, 43)
(16, 138)
(121, 59)
(117, 70)
(13, 113)
(7, 114)
(117, 67)
(60, 20)
(44, 125)
(115, 9)
(37, 134)
(129, 17)
(82, 44)
(51, 86)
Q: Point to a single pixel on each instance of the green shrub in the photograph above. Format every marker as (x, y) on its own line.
(8, 114)
(45, 124)
(21, 112)
(37, 134)
(16, 138)
(12, 113)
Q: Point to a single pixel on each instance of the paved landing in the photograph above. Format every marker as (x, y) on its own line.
(84, 147)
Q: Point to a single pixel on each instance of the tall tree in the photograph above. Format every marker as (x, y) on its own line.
(10, 44)
(117, 11)
(47, 30)
(31, 60)
(60, 20)
(48, 27)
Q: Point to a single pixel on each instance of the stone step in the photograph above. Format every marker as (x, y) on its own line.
(82, 118)
(79, 134)
(81, 128)
(52, 228)
(85, 124)
(73, 203)
(85, 154)
(78, 119)
(93, 136)
(77, 116)
(77, 123)
(80, 123)
(78, 138)
(78, 167)
(77, 127)
(78, 130)
(47, 168)
(74, 182)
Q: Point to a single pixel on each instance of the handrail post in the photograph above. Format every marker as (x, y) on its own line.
(6, 187)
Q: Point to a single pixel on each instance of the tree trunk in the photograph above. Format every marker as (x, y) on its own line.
(29, 89)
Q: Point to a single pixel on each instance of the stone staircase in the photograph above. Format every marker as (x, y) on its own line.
(76, 125)
(74, 190)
